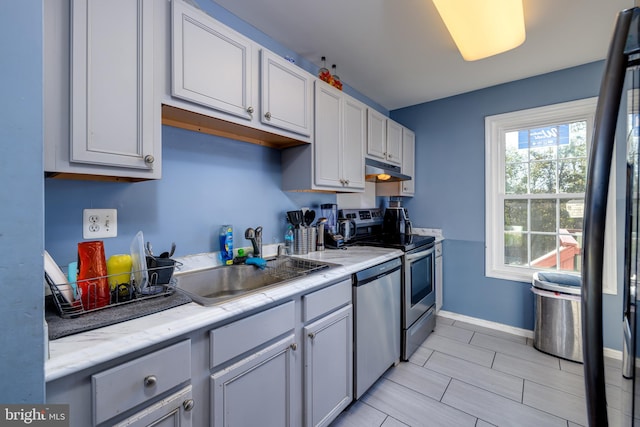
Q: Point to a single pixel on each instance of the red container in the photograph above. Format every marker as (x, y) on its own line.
(92, 272)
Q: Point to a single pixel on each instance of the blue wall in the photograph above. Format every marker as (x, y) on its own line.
(207, 181)
(21, 193)
(450, 189)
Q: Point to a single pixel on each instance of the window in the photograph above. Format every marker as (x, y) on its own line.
(536, 165)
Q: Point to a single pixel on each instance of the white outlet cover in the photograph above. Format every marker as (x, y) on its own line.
(99, 223)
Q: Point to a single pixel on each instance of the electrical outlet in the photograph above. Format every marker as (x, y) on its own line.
(99, 223)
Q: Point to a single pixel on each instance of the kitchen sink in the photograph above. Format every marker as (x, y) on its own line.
(216, 285)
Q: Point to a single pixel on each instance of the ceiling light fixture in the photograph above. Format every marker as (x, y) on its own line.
(483, 28)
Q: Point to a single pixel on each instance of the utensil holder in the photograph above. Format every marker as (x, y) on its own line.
(300, 241)
(312, 233)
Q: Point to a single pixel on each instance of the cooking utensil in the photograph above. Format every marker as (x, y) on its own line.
(148, 249)
(168, 254)
(295, 218)
(309, 216)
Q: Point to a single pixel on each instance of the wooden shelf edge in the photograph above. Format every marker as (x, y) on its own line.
(183, 119)
(89, 177)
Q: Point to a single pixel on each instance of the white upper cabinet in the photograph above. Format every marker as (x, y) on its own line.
(340, 139)
(237, 88)
(408, 188)
(403, 188)
(328, 142)
(212, 64)
(353, 142)
(335, 161)
(394, 142)
(101, 114)
(384, 138)
(286, 94)
(376, 135)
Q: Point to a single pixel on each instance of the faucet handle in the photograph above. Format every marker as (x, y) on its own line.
(258, 230)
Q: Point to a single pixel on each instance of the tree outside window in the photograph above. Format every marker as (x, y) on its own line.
(545, 180)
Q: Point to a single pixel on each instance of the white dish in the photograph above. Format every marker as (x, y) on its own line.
(56, 276)
(139, 261)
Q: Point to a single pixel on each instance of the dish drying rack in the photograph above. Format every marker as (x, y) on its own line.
(291, 268)
(123, 293)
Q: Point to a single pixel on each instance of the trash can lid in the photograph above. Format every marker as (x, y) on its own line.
(558, 282)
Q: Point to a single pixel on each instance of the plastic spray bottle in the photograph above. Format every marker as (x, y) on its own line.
(226, 244)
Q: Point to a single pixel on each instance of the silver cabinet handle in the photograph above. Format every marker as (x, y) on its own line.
(346, 181)
(267, 115)
(150, 381)
(149, 159)
(250, 110)
(294, 346)
(188, 404)
(312, 335)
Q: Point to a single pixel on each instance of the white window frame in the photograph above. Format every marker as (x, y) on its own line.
(495, 129)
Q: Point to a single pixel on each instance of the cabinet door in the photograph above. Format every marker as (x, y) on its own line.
(174, 410)
(394, 143)
(328, 138)
(286, 95)
(328, 367)
(376, 134)
(353, 142)
(112, 99)
(257, 390)
(408, 162)
(211, 64)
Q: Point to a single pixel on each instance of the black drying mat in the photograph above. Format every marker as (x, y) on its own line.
(60, 327)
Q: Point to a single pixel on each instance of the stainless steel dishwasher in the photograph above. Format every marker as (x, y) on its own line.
(376, 299)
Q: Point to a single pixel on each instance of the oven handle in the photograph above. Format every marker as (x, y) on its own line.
(419, 255)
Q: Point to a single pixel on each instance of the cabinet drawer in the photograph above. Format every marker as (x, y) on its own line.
(239, 337)
(123, 387)
(325, 300)
(438, 249)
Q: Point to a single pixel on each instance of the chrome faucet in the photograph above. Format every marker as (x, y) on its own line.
(255, 236)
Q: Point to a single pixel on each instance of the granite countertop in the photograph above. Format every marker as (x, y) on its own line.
(74, 353)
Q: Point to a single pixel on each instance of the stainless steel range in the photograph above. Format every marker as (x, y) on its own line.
(418, 270)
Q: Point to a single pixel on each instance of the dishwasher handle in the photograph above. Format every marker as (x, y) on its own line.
(374, 273)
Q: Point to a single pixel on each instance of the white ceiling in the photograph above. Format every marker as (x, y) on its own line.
(399, 53)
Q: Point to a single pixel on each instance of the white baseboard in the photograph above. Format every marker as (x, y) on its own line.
(487, 324)
(608, 352)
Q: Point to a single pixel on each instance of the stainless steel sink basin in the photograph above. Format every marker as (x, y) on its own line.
(216, 285)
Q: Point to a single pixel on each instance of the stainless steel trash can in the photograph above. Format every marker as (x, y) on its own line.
(558, 320)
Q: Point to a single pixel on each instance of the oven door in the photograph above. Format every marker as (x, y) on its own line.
(419, 285)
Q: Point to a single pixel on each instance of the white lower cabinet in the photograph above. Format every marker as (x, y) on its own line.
(287, 365)
(256, 391)
(328, 367)
(174, 410)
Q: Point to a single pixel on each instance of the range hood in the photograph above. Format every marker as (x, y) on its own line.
(377, 171)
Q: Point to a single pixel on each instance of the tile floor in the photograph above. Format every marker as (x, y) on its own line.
(468, 375)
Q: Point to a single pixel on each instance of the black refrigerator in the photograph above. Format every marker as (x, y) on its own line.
(620, 83)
